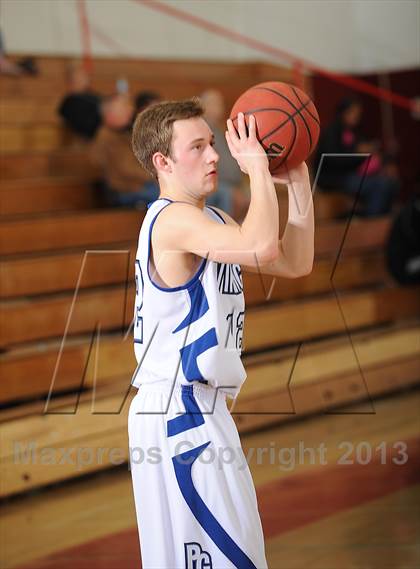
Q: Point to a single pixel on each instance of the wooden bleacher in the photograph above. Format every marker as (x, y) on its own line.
(22, 128)
(365, 310)
(61, 163)
(173, 79)
(43, 317)
(361, 310)
(67, 230)
(331, 205)
(355, 334)
(38, 195)
(327, 376)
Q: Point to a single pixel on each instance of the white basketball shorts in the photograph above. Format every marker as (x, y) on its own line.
(195, 499)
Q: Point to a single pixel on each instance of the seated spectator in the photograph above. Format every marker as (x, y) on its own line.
(377, 174)
(123, 182)
(81, 107)
(229, 196)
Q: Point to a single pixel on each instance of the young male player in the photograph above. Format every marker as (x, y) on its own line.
(194, 495)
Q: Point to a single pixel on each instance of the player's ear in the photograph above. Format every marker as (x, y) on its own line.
(161, 163)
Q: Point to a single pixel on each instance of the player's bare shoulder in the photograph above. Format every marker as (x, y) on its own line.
(175, 221)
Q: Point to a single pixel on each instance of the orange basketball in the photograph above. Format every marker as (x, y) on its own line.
(287, 122)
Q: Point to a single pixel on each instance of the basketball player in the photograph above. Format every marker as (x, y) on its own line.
(194, 495)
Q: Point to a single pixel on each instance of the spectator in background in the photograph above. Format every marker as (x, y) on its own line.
(123, 182)
(345, 173)
(81, 107)
(402, 248)
(144, 99)
(229, 196)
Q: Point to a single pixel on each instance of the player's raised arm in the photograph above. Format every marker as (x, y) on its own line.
(262, 218)
(296, 246)
(255, 242)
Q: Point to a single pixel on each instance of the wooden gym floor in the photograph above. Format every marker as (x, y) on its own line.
(316, 513)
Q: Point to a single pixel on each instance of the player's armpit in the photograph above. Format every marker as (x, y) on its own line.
(183, 227)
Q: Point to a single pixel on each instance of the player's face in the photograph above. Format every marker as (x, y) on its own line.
(194, 157)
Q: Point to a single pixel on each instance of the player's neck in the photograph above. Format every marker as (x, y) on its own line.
(180, 196)
(175, 191)
(200, 204)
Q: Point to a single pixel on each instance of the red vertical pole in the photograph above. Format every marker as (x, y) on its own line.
(85, 36)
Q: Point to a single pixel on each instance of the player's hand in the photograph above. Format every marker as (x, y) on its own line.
(245, 148)
(298, 174)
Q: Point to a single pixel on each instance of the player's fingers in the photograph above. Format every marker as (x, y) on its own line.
(233, 139)
(230, 144)
(241, 126)
(252, 128)
(232, 131)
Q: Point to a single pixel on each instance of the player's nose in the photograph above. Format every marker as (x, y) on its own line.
(213, 156)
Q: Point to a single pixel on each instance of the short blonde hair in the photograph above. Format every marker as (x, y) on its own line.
(153, 129)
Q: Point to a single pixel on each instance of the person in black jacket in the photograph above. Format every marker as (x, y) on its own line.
(348, 163)
(402, 248)
(80, 109)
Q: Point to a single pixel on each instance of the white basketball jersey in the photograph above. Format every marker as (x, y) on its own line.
(189, 333)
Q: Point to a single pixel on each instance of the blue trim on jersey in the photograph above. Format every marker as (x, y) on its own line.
(137, 264)
(199, 306)
(183, 465)
(138, 319)
(216, 212)
(188, 284)
(157, 199)
(190, 353)
(193, 416)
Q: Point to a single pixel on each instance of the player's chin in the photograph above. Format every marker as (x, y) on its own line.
(211, 179)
